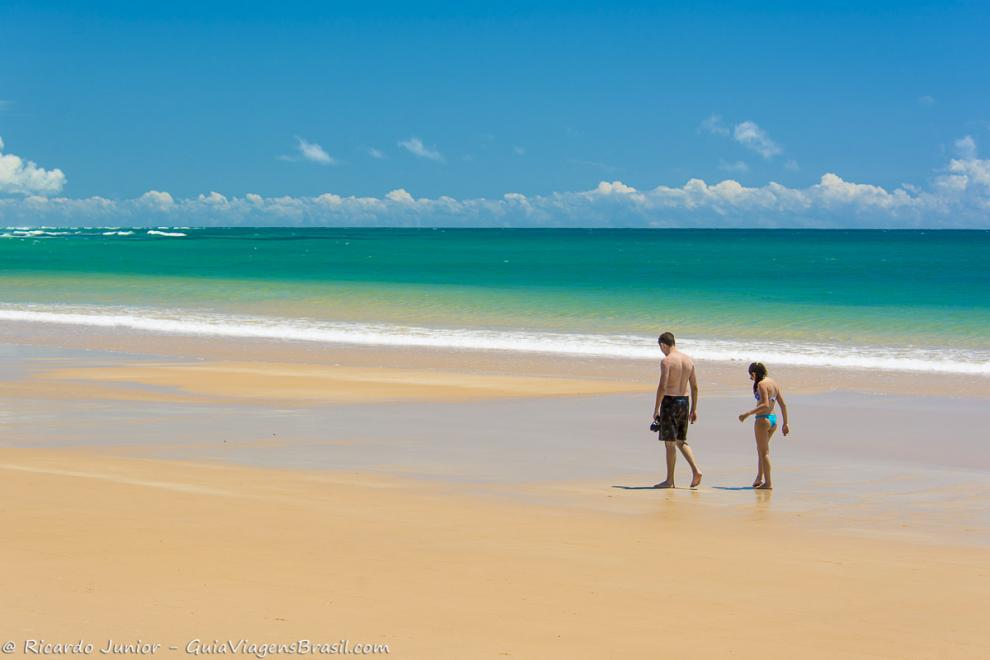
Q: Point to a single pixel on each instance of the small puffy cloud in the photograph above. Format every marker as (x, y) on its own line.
(751, 136)
(377, 154)
(747, 133)
(971, 175)
(714, 125)
(18, 176)
(615, 187)
(400, 196)
(313, 152)
(832, 190)
(738, 167)
(157, 200)
(214, 199)
(416, 147)
(329, 199)
(965, 147)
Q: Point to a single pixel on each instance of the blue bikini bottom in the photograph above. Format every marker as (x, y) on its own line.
(772, 418)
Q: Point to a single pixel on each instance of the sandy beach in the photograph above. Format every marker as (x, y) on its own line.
(165, 551)
(462, 505)
(353, 329)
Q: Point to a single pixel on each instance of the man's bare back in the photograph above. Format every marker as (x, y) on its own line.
(679, 368)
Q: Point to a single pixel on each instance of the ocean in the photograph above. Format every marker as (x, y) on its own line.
(889, 300)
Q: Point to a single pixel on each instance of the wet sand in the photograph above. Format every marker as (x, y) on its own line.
(165, 551)
(464, 507)
(715, 377)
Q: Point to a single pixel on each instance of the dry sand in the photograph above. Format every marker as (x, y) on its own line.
(99, 546)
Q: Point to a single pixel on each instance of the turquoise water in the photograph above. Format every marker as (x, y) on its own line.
(897, 291)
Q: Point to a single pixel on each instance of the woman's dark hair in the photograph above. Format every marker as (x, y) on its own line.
(760, 371)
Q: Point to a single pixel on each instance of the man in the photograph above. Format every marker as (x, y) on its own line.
(673, 409)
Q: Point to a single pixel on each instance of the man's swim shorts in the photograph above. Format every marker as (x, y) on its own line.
(674, 413)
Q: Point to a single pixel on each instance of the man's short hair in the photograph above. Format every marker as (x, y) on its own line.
(666, 338)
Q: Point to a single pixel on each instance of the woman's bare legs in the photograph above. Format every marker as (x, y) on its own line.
(763, 432)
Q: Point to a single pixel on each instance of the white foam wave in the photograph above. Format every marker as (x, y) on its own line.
(588, 345)
(36, 233)
(155, 232)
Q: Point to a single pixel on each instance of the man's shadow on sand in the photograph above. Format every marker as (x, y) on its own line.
(712, 487)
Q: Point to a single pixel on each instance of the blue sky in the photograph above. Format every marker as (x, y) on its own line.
(467, 102)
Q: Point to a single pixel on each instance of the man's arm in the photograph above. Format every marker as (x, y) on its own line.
(661, 388)
(694, 396)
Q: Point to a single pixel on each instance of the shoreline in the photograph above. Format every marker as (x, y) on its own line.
(199, 324)
(716, 376)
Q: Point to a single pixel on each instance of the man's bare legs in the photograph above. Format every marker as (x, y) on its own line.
(689, 456)
(763, 432)
(672, 461)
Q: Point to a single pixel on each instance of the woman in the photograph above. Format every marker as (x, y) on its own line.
(767, 393)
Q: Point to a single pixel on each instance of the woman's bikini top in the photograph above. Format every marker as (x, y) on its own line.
(772, 399)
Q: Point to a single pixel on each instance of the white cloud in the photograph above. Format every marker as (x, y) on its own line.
(314, 153)
(738, 167)
(329, 199)
(747, 133)
(957, 196)
(161, 201)
(966, 147)
(977, 170)
(416, 147)
(615, 187)
(751, 136)
(213, 200)
(376, 153)
(714, 125)
(18, 176)
(401, 196)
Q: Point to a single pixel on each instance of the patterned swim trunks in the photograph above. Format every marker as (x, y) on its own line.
(674, 418)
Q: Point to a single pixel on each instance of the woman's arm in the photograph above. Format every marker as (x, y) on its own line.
(762, 407)
(783, 410)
